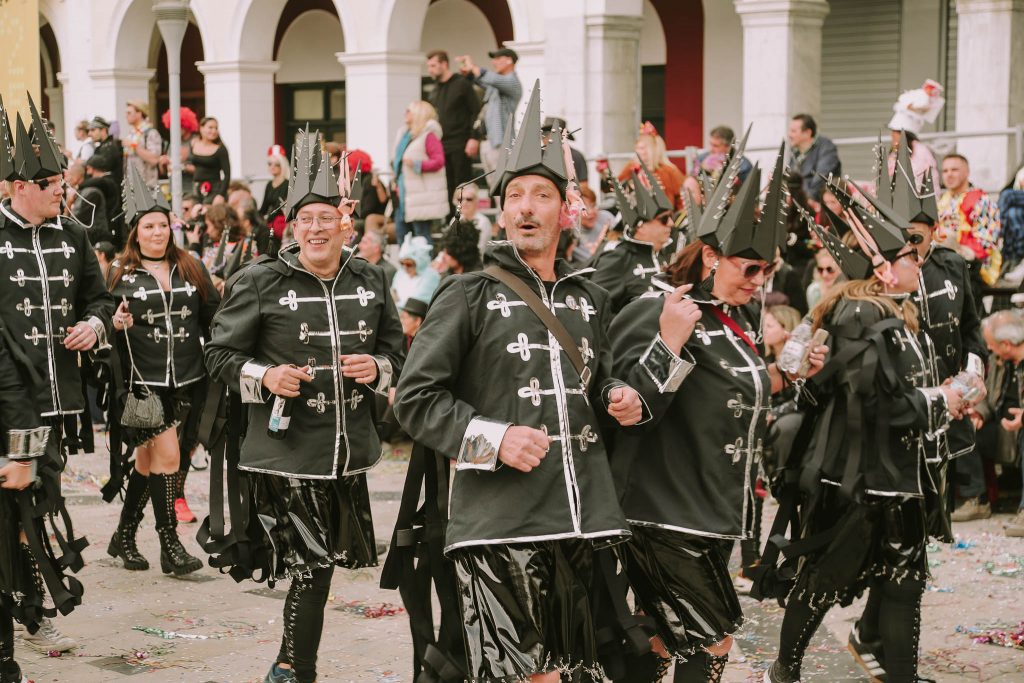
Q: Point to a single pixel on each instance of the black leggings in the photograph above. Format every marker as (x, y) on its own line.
(7, 663)
(892, 615)
(304, 622)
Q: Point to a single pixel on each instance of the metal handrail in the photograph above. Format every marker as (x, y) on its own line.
(690, 153)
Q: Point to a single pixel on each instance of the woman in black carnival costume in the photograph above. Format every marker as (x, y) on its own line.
(863, 480)
(167, 304)
(685, 477)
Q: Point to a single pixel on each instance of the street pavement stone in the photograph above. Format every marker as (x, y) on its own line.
(208, 629)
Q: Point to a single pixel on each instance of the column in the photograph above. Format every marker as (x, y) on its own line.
(55, 95)
(781, 66)
(611, 108)
(378, 88)
(990, 78)
(240, 95)
(113, 88)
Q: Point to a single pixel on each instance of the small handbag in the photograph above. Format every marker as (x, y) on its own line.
(140, 412)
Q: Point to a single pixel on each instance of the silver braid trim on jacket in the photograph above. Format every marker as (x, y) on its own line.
(250, 382)
(938, 412)
(480, 444)
(385, 374)
(666, 369)
(27, 444)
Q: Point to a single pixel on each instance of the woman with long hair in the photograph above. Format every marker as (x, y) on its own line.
(862, 522)
(225, 245)
(685, 477)
(209, 163)
(272, 207)
(651, 152)
(421, 189)
(167, 304)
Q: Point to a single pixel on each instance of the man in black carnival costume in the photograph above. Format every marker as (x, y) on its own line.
(313, 333)
(55, 306)
(626, 267)
(510, 378)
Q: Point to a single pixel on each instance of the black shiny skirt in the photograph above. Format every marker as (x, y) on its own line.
(682, 581)
(878, 538)
(298, 525)
(526, 610)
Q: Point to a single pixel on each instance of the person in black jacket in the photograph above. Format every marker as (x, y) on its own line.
(627, 268)
(315, 330)
(23, 446)
(167, 302)
(107, 147)
(457, 106)
(879, 404)
(100, 181)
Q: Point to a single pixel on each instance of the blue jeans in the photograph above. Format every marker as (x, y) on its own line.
(418, 228)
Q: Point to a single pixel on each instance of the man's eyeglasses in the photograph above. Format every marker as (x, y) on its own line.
(325, 221)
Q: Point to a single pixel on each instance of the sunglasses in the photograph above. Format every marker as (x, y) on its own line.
(751, 270)
(915, 239)
(46, 182)
(826, 269)
(917, 257)
(665, 220)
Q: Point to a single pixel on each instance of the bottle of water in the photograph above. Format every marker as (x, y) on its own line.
(967, 384)
(796, 348)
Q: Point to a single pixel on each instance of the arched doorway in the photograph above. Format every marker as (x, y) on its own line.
(464, 27)
(673, 91)
(52, 98)
(309, 86)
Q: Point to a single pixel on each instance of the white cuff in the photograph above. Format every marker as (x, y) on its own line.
(665, 368)
(385, 373)
(975, 365)
(26, 444)
(250, 382)
(480, 444)
(101, 332)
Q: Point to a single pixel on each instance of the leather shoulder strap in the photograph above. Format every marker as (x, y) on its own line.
(530, 298)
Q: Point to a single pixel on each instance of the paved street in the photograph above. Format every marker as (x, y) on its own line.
(207, 628)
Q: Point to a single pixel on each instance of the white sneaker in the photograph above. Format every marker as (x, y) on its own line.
(1015, 527)
(49, 638)
(742, 584)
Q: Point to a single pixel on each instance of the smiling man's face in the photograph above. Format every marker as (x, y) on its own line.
(530, 213)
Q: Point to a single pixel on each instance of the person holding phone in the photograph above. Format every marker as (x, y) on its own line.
(167, 301)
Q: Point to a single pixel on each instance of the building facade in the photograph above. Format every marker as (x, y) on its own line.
(350, 67)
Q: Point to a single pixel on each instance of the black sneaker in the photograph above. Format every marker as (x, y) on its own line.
(279, 675)
(868, 655)
(780, 673)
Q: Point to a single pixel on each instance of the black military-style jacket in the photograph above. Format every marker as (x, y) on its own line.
(949, 315)
(878, 410)
(22, 436)
(948, 311)
(689, 469)
(279, 313)
(625, 269)
(482, 362)
(165, 341)
(50, 280)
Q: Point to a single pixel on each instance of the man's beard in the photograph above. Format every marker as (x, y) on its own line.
(539, 241)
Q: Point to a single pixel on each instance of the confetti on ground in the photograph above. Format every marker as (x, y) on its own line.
(171, 635)
(1004, 636)
(1011, 568)
(964, 545)
(383, 609)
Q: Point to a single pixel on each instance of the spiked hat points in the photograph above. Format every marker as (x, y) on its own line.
(916, 203)
(525, 153)
(312, 179)
(139, 199)
(28, 153)
(733, 228)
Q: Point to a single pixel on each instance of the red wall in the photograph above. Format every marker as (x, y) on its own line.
(683, 21)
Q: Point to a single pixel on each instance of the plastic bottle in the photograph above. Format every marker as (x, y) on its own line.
(796, 348)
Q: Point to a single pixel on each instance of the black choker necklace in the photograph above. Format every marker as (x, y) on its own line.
(153, 260)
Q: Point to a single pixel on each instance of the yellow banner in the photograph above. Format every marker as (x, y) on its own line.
(19, 58)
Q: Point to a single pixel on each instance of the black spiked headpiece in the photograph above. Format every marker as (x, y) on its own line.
(884, 233)
(19, 158)
(854, 264)
(312, 179)
(139, 199)
(908, 199)
(734, 228)
(526, 152)
(7, 170)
